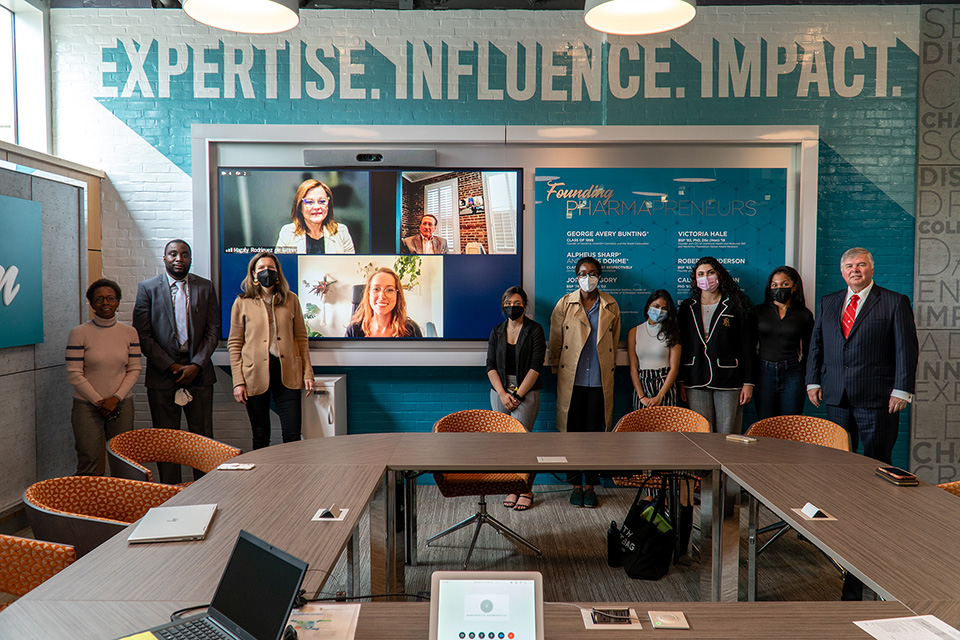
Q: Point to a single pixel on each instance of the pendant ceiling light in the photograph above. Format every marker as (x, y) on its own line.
(245, 16)
(638, 17)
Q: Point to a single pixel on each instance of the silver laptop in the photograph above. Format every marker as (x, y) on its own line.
(172, 524)
(485, 605)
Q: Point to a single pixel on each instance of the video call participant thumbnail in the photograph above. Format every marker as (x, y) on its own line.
(426, 242)
(314, 229)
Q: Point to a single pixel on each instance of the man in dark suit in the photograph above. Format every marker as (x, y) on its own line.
(426, 242)
(863, 363)
(178, 318)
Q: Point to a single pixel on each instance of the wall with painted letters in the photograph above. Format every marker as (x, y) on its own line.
(129, 83)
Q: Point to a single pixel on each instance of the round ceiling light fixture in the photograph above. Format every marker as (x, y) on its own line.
(245, 16)
(638, 17)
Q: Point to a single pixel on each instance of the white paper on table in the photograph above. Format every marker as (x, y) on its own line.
(911, 628)
(317, 518)
(325, 621)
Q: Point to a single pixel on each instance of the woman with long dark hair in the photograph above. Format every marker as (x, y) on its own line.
(718, 334)
(268, 349)
(653, 349)
(784, 325)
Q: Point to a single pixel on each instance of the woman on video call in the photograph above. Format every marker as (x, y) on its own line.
(383, 311)
(269, 356)
(314, 229)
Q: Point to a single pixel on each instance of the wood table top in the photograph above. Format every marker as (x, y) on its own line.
(250, 500)
(895, 537)
(93, 620)
(490, 452)
(708, 620)
(900, 538)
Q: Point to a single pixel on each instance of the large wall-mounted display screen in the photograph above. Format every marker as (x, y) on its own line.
(452, 237)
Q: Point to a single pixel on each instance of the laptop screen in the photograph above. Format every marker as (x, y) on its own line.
(257, 589)
(487, 607)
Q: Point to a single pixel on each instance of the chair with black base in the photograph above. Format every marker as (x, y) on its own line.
(453, 485)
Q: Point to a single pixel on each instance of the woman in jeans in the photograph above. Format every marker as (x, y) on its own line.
(784, 325)
(514, 360)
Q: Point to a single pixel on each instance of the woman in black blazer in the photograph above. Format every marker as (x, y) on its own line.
(718, 334)
(515, 357)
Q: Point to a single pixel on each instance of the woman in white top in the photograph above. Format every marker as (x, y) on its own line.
(314, 229)
(653, 348)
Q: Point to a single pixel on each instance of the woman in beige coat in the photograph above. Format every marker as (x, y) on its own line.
(268, 349)
(584, 334)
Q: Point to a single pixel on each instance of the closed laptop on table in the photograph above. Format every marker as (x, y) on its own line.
(173, 524)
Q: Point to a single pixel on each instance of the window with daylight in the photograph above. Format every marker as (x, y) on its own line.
(500, 188)
(440, 200)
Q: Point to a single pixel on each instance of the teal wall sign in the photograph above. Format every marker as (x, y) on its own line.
(21, 287)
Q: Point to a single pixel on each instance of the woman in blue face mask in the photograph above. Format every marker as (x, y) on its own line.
(784, 325)
(268, 349)
(653, 348)
(514, 360)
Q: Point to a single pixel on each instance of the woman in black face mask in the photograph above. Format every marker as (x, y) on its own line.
(268, 349)
(515, 356)
(784, 327)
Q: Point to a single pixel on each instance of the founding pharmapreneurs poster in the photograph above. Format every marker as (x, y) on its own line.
(648, 227)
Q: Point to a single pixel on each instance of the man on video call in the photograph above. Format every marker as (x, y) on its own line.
(425, 242)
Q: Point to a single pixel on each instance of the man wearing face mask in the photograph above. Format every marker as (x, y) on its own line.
(584, 335)
(178, 318)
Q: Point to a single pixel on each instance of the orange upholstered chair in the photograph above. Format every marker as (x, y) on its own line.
(802, 429)
(453, 485)
(25, 564)
(128, 451)
(658, 419)
(85, 511)
(951, 487)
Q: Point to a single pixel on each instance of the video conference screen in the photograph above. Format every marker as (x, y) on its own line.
(452, 237)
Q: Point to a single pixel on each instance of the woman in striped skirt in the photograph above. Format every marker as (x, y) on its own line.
(654, 351)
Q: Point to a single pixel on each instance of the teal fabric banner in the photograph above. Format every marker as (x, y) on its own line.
(21, 286)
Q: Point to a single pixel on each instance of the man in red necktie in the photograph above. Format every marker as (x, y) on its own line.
(863, 362)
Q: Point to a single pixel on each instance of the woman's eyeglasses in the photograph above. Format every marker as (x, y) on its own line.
(309, 202)
(102, 299)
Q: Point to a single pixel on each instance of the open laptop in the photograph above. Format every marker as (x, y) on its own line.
(253, 600)
(484, 605)
(172, 524)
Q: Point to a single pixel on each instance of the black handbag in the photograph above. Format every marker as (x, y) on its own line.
(647, 539)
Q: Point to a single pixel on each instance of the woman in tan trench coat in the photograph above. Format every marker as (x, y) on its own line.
(584, 334)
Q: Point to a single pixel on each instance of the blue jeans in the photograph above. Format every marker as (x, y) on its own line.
(780, 390)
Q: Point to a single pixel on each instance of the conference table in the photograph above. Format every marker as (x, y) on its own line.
(894, 538)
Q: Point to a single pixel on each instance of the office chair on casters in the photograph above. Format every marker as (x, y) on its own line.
(799, 429)
(664, 419)
(454, 485)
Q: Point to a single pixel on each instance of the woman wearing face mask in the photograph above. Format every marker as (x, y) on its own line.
(584, 334)
(784, 325)
(268, 350)
(718, 334)
(514, 360)
(653, 349)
